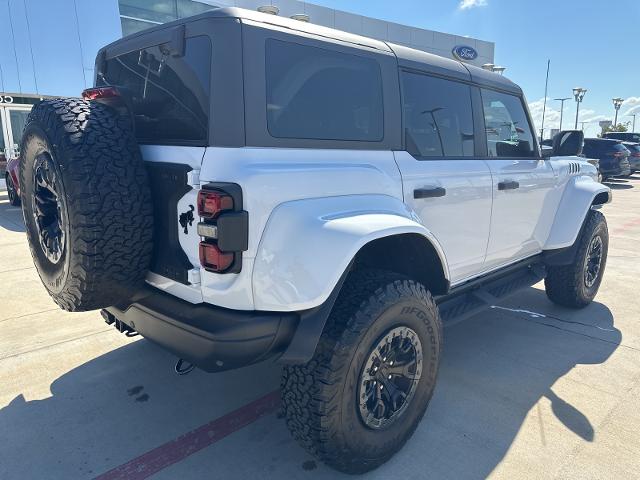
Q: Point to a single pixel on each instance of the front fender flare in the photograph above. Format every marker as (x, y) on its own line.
(577, 198)
(307, 246)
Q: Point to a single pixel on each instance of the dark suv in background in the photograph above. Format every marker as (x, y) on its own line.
(634, 158)
(613, 156)
(624, 136)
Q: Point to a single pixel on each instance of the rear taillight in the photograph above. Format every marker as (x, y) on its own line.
(211, 203)
(224, 228)
(618, 154)
(213, 259)
(100, 92)
(635, 154)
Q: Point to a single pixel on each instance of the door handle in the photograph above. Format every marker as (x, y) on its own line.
(429, 192)
(508, 185)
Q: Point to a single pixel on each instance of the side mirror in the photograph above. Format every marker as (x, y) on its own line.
(568, 143)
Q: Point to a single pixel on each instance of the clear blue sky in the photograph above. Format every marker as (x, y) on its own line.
(591, 43)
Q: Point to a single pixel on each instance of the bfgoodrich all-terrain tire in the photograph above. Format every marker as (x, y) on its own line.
(86, 203)
(577, 284)
(370, 380)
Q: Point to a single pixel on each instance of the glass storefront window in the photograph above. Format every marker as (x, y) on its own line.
(136, 15)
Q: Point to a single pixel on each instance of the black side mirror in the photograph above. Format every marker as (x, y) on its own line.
(568, 143)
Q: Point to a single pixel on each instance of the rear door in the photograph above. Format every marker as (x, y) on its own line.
(444, 180)
(522, 181)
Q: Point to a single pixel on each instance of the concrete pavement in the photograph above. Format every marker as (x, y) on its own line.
(526, 390)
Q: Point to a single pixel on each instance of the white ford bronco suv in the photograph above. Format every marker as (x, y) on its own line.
(240, 186)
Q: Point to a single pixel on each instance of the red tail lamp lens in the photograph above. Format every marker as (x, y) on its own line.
(214, 260)
(212, 203)
(100, 92)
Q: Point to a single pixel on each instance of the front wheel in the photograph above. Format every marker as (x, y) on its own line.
(576, 285)
(365, 390)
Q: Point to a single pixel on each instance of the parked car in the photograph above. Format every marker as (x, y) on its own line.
(367, 214)
(624, 136)
(11, 179)
(612, 154)
(596, 163)
(634, 157)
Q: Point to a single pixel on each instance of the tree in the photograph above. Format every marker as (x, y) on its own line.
(621, 127)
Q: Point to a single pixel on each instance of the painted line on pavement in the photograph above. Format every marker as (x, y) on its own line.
(186, 445)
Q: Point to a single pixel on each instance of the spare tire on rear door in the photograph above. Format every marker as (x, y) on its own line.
(86, 203)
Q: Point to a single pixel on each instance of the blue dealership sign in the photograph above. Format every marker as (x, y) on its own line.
(464, 53)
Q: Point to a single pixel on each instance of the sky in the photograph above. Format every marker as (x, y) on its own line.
(591, 44)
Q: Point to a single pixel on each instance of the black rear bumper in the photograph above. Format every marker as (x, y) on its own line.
(212, 338)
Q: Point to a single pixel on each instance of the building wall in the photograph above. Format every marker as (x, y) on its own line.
(137, 12)
(48, 47)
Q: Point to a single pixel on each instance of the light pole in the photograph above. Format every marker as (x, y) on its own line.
(562, 100)
(617, 103)
(633, 129)
(578, 94)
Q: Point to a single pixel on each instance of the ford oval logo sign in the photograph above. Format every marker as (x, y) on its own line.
(465, 53)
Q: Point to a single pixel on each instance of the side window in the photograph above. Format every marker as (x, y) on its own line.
(438, 120)
(169, 95)
(508, 130)
(313, 93)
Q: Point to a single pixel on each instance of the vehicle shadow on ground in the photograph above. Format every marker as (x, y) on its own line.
(10, 216)
(618, 184)
(496, 367)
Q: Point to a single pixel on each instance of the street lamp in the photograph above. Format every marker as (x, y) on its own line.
(578, 94)
(617, 103)
(562, 100)
(633, 129)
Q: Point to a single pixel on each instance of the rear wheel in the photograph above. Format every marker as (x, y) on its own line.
(576, 285)
(12, 192)
(362, 395)
(86, 203)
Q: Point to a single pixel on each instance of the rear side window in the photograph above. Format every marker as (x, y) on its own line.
(169, 95)
(314, 93)
(508, 130)
(438, 120)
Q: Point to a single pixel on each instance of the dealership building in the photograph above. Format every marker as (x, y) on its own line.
(48, 48)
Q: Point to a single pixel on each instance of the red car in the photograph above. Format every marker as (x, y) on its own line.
(13, 185)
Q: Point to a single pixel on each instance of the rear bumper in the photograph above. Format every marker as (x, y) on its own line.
(212, 338)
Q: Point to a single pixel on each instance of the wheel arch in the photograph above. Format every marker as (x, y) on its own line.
(410, 254)
(579, 196)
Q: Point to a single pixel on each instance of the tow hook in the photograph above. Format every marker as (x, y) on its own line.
(184, 367)
(119, 325)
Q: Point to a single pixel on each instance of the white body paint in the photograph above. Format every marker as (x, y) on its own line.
(310, 211)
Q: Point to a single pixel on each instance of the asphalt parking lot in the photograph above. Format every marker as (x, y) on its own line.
(526, 389)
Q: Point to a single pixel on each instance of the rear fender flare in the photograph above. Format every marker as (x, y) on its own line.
(307, 246)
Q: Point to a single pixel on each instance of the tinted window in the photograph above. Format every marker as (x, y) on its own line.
(437, 117)
(320, 94)
(169, 95)
(508, 130)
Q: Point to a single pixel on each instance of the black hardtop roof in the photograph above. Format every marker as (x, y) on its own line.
(407, 57)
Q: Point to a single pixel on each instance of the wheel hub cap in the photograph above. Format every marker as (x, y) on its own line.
(390, 377)
(593, 262)
(47, 209)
